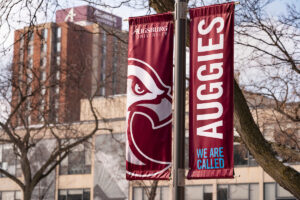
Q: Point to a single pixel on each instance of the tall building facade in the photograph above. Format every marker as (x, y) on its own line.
(57, 64)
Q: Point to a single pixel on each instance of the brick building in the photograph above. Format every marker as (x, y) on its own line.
(58, 64)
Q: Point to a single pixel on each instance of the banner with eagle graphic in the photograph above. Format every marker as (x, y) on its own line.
(149, 97)
(211, 92)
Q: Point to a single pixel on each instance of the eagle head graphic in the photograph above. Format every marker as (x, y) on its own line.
(149, 115)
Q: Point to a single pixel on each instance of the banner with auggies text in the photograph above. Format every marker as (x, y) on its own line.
(149, 97)
(211, 92)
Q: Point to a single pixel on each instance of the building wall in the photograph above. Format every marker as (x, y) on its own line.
(82, 61)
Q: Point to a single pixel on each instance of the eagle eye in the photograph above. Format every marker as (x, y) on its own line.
(138, 87)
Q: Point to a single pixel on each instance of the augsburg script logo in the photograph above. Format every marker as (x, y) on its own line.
(156, 29)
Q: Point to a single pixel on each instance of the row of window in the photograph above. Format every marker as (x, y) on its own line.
(72, 194)
(272, 191)
(57, 45)
(238, 192)
(43, 61)
(79, 160)
(77, 194)
(142, 193)
(103, 64)
(57, 50)
(10, 195)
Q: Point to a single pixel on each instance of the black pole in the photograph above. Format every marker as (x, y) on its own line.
(179, 125)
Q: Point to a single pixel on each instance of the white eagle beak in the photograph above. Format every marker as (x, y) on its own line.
(163, 109)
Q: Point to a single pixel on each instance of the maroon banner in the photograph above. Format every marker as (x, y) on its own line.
(149, 97)
(211, 92)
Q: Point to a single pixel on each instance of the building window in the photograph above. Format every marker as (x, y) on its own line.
(43, 62)
(103, 65)
(29, 119)
(77, 194)
(102, 82)
(56, 104)
(8, 160)
(10, 195)
(57, 40)
(30, 36)
(44, 34)
(21, 50)
(242, 156)
(57, 75)
(114, 65)
(58, 47)
(238, 192)
(78, 161)
(43, 91)
(42, 106)
(21, 56)
(276, 192)
(29, 90)
(57, 89)
(20, 73)
(30, 49)
(43, 76)
(142, 193)
(58, 32)
(57, 60)
(193, 192)
(21, 41)
(30, 63)
(44, 47)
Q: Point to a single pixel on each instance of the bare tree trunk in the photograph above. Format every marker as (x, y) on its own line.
(262, 151)
(27, 193)
(153, 190)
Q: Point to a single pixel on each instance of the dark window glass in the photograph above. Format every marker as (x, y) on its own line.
(74, 194)
(62, 194)
(222, 193)
(77, 162)
(30, 35)
(240, 155)
(86, 194)
(141, 193)
(207, 196)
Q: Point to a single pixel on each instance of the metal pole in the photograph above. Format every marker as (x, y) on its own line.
(179, 126)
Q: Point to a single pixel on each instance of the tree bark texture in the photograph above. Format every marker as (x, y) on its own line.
(27, 193)
(153, 190)
(262, 151)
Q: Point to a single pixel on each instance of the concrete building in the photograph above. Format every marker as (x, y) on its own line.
(59, 63)
(98, 171)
